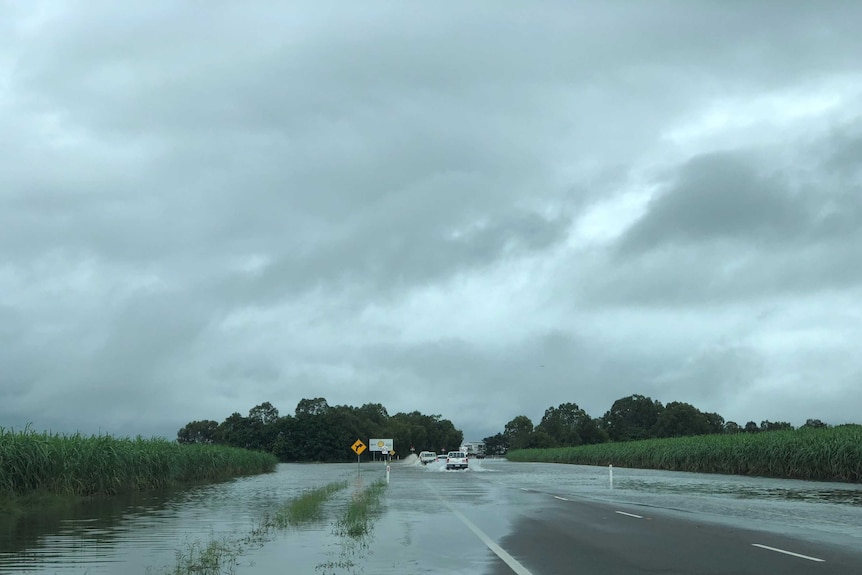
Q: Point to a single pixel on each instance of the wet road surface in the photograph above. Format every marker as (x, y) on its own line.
(501, 518)
(495, 518)
(589, 537)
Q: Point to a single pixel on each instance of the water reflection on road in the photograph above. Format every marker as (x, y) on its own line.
(813, 509)
(416, 533)
(146, 531)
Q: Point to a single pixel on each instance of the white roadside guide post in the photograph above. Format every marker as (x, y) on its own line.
(611, 474)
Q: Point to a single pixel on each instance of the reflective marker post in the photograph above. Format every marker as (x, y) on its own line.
(611, 475)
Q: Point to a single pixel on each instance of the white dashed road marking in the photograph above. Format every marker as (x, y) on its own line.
(560, 498)
(629, 514)
(788, 553)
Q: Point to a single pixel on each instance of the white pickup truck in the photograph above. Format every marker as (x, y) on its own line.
(456, 460)
(427, 457)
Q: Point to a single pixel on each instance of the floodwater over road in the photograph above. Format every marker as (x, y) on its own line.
(424, 524)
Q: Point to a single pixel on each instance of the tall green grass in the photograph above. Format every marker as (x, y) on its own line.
(220, 555)
(213, 557)
(79, 465)
(833, 454)
(357, 519)
(306, 507)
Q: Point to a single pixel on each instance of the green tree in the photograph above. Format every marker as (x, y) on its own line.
(424, 432)
(320, 432)
(564, 424)
(285, 447)
(496, 444)
(316, 406)
(344, 426)
(203, 431)
(237, 431)
(767, 425)
(591, 432)
(374, 418)
(679, 419)
(814, 424)
(518, 431)
(632, 417)
(447, 435)
(265, 413)
(732, 427)
(374, 412)
(715, 422)
(313, 439)
(540, 440)
(261, 426)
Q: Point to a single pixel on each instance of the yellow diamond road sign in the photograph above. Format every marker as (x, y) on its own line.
(358, 447)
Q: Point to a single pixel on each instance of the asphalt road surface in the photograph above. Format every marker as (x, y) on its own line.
(501, 518)
(571, 536)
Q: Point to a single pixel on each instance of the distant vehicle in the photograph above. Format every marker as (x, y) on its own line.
(479, 456)
(441, 458)
(427, 457)
(456, 460)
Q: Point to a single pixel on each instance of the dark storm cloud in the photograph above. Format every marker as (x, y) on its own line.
(718, 196)
(399, 254)
(732, 225)
(338, 126)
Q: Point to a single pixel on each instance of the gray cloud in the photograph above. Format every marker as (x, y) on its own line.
(201, 211)
(713, 373)
(718, 196)
(724, 230)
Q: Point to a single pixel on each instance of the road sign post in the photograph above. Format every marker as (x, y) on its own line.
(358, 447)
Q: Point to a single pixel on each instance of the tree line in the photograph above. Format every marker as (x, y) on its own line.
(629, 418)
(318, 431)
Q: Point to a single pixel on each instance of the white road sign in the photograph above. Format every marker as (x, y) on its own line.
(380, 445)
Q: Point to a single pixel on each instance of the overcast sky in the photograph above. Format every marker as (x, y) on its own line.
(475, 211)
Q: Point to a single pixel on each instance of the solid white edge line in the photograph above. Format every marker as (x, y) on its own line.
(560, 498)
(629, 514)
(788, 553)
(513, 563)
